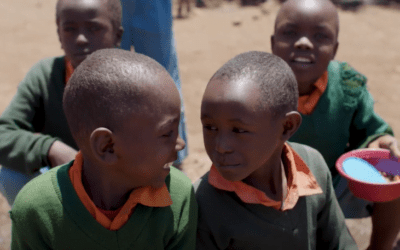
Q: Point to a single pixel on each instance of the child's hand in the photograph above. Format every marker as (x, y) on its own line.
(60, 153)
(387, 142)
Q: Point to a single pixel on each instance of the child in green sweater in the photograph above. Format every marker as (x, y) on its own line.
(33, 129)
(336, 107)
(120, 192)
(262, 192)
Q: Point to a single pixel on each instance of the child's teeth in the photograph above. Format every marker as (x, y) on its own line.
(302, 59)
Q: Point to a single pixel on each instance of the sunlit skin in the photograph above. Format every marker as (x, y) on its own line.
(305, 36)
(84, 26)
(243, 141)
(138, 153)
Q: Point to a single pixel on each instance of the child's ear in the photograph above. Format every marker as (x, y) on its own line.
(291, 123)
(102, 145)
(118, 36)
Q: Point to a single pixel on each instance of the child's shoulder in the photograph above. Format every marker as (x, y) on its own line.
(48, 64)
(346, 75)
(315, 162)
(37, 196)
(179, 185)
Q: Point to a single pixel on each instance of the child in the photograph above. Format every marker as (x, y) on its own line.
(336, 107)
(33, 129)
(261, 192)
(121, 192)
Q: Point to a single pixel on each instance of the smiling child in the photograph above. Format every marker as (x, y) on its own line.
(261, 191)
(336, 107)
(33, 129)
(121, 191)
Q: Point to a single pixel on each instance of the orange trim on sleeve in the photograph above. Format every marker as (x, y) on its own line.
(307, 103)
(114, 220)
(301, 182)
(68, 70)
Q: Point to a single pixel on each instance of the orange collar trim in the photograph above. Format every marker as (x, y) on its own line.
(307, 103)
(301, 182)
(146, 196)
(68, 70)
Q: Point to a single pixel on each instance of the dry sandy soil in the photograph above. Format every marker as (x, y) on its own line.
(369, 40)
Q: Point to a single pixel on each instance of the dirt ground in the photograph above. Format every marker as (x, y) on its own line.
(208, 38)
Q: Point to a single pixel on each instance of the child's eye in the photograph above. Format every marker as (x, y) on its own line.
(209, 127)
(239, 131)
(321, 36)
(289, 33)
(94, 28)
(68, 29)
(169, 134)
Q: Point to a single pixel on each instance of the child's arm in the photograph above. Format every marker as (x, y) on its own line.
(368, 129)
(22, 145)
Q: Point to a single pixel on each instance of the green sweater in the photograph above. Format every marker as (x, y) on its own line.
(316, 222)
(47, 214)
(344, 118)
(35, 119)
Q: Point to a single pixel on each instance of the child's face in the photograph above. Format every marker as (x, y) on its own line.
(240, 139)
(85, 26)
(148, 141)
(306, 38)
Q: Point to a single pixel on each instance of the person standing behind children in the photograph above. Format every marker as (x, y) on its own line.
(33, 128)
(262, 192)
(121, 192)
(148, 28)
(336, 107)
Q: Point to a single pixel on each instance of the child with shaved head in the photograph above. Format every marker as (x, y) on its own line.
(33, 129)
(262, 192)
(336, 107)
(121, 191)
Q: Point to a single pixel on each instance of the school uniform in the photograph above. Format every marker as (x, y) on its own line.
(343, 118)
(53, 211)
(31, 123)
(234, 215)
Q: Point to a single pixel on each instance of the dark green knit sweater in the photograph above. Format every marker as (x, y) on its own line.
(344, 118)
(35, 118)
(316, 222)
(47, 214)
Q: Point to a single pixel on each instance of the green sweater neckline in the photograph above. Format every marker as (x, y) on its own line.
(85, 221)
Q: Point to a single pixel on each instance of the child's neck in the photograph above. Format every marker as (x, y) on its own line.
(272, 181)
(306, 88)
(105, 191)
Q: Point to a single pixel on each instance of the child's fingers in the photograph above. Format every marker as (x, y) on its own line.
(387, 142)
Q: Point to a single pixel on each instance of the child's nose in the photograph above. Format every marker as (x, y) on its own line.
(180, 144)
(81, 39)
(304, 43)
(222, 145)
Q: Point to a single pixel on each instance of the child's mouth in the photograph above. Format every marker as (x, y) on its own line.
(304, 60)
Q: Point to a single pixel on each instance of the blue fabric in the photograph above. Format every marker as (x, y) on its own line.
(148, 28)
(11, 182)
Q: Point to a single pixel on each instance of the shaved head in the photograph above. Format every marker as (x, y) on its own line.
(261, 76)
(113, 6)
(308, 6)
(112, 84)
